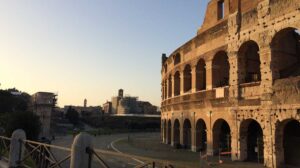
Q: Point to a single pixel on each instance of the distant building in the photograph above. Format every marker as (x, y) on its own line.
(85, 103)
(85, 111)
(121, 105)
(106, 107)
(43, 104)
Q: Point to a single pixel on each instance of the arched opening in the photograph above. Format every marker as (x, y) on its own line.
(286, 53)
(200, 75)
(177, 84)
(166, 90)
(221, 137)
(251, 141)
(166, 68)
(163, 91)
(187, 135)
(170, 87)
(220, 67)
(169, 132)
(249, 62)
(176, 133)
(177, 59)
(291, 143)
(201, 138)
(187, 76)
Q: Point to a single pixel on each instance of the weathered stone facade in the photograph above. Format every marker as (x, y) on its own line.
(235, 86)
(43, 104)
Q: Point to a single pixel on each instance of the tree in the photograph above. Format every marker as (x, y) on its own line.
(10, 102)
(73, 116)
(14, 113)
(27, 121)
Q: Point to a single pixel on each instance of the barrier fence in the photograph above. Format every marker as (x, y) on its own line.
(25, 153)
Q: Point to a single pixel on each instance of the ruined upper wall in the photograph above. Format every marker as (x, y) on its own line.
(215, 8)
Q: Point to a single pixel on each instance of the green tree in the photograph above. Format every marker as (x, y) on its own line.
(72, 115)
(27, 121)
(11, 103)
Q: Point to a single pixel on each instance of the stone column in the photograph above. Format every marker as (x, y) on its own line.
(172, 77)
(162, 137)
(194, 74)
(193, 132)
(181, 82)
(269, 141)
(181, 139)
(233, 75)
(17, 148)
(268, 74)
(235, 149)
(79, 154)
(167, 88)
(162, 90)
(209, 136)
(209, 77)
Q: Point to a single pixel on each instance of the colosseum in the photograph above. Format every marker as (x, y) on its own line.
(235, 87)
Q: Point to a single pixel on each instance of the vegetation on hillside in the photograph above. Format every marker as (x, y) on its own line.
(15, 113)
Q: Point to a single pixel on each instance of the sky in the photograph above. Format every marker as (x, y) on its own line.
(91, 48)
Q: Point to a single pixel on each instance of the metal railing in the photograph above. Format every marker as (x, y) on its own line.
(43, 155)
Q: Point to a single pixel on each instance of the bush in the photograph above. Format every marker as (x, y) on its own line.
(73, 116)
(27, 121)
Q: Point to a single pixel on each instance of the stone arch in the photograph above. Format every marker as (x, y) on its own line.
(249, 62)
(285, 50)
(176, 133)
(201, 135)
(220, 74)
(251, 141)
(187, 78)
(187, 134)
(165, 89)
(170, 86)
(201, 75)
(287, 143)
(169, 128)
(177, 83)
(221, 137)
(177, 59)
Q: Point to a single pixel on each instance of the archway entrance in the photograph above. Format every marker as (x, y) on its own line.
(251, 137)
(170, 87)
(177, 84)
(201, 138)
(291, 143)
(249, 62)
(187, 136)
(221, 137)
(200, 75)
(176, 133)
(169, 132)
(286, 53)
(187, 76)
(220, 70)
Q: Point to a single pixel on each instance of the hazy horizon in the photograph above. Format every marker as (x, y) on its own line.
(90, 49)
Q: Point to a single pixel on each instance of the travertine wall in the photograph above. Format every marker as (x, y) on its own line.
(271, 102)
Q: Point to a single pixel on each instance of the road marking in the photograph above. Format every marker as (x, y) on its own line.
(115, 149)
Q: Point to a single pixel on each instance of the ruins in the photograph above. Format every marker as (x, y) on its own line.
(235, 87)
